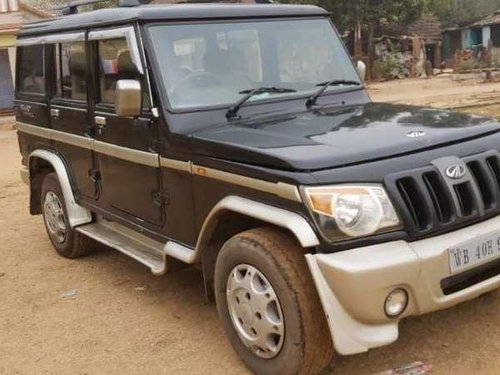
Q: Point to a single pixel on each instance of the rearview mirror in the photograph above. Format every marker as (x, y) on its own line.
(128, 98)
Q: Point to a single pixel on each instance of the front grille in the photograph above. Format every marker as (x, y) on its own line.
(429, 201)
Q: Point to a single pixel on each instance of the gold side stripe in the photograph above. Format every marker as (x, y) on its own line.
(277, 188)
(280, 189)
(185, 166)
(128, 154)
(33, 130)
(75, 140)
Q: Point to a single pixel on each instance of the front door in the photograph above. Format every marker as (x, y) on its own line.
(129, 169)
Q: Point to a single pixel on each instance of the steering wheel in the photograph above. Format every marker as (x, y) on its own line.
(196, 79)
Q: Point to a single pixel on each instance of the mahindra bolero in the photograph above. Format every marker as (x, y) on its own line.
(241, 139)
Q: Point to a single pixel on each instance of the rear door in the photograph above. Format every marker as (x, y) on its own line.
(31, 85)
(128, 164)
(69, 110)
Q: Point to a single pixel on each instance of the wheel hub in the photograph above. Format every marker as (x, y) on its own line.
(255, 311)
(54, 217)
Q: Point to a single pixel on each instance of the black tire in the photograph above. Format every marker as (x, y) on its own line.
(73, 244)
(307, 346)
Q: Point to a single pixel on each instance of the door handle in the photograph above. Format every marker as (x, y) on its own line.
(54, 112)
(100, 121)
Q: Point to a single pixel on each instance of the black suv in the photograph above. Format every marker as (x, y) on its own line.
(240, 138)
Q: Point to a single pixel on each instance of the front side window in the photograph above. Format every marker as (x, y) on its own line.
(210, 64)
(115, 63)
(31, 69)
(70, 65)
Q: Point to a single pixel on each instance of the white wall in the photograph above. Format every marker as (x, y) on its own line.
(12, 60)
(486, 35)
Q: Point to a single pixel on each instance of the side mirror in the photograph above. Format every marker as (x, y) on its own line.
(128, 98)
(361, 68)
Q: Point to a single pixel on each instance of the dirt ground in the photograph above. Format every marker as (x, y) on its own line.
(469, 96)
(107, 314)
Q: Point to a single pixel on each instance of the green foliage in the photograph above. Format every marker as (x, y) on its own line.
(48, 4)
(461, 11)
(345, 13)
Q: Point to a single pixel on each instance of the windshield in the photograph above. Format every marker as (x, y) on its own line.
(211, 64)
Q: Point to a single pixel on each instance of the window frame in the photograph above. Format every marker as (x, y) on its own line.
(138, 58)
(149, 47)
(49, 41)
(495, 35)
(20, 49)
(58, 80)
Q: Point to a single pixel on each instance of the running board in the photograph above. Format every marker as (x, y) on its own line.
(149, 252)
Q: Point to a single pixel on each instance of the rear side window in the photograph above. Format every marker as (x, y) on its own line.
(71, 73)
(31, 69)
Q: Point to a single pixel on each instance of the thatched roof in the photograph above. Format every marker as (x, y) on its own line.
(428, 27)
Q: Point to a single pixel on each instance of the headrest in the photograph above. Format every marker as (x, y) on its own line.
(125, 64)
(77, 62)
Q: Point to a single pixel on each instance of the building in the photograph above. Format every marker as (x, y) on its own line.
(12, 16)
(428, 27)
(481, 35)
(489, 31)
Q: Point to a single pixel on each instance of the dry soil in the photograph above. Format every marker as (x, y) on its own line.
(107, 314)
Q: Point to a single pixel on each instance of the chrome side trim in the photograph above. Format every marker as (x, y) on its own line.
(54, 38)
(292, 221)
(77, 215)
(180, 165)
(280, 189)
(122, 32)
(33, 130)
(72, 139)
(124, 153)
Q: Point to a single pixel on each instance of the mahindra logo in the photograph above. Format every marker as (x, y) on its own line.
(455, 171)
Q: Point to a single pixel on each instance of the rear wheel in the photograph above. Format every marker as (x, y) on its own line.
(269, 306)
(67, 242)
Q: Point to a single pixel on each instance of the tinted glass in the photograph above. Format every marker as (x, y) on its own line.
(71, 71)
(31, 69)
(209, 64)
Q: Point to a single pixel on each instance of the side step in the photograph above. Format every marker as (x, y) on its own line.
(149, 252)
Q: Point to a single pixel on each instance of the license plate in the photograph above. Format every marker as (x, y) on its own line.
(474, 252)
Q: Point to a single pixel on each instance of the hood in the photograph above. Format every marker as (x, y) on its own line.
(338, 137)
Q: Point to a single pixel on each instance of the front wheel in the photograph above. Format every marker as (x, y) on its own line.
(269, 306)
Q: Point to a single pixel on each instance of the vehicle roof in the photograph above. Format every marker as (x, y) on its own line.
(173, 12)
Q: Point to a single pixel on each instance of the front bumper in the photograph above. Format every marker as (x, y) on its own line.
(354, 284)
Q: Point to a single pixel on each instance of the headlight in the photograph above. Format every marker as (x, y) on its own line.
(352, 210)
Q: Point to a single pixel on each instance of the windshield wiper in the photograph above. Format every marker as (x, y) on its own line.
(313, 98)
(232, 112)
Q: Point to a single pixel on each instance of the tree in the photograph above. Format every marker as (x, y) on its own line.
(461, 11)
(346, 13)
